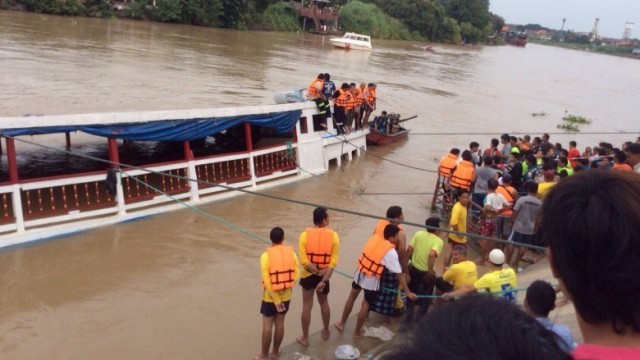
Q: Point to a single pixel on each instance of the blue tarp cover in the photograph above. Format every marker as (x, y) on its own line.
(171, 130)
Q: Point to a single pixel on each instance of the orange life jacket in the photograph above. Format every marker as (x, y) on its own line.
(623, 167)
(382, 223)
(463, 175)
(313, 92)
(370, 262)
(358, 97)
(371, 96)
(507, 193)
(343, 99)
(282, 267)
(352, 101)
(447, 164)
(319, 246)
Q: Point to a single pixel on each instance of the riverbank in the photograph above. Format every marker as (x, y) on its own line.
(374, 347)
(621, 51)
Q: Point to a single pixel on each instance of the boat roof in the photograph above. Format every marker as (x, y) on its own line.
(171, 125)
(354, 34)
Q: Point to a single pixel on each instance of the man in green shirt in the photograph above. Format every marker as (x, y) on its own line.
(424, 248)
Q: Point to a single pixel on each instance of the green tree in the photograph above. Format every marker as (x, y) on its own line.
(450, 31)
(281, 16)
(369, 19)
(168, 11)
(497, 22)
(234, 13)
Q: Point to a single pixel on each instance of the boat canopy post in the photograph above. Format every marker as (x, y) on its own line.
(114, 157)
(13, 178)
(12, 162)
(67, 136)
(191, 171)
(247, 136)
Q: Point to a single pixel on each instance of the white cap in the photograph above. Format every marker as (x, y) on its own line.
(496, 256)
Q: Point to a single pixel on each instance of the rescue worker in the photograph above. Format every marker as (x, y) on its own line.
(314, 93)
(357, 97)
(342, 98)
(379, 273)
(279, 268)
(318, 250)
(394, 217)
(464, 174)
(369, 102)
(349, 109)
(447, 164)
(497, 281)
(504, 188)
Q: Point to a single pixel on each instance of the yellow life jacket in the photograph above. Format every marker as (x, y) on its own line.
(319, 246)
(370, 262)
(463, 175)
(282, 267)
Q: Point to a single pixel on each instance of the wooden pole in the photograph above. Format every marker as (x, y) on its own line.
(67, 136)
(114, 157)
(13, 163)
(247, 136)
(188, 154)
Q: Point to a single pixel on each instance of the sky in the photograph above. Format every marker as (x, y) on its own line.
(580, 14)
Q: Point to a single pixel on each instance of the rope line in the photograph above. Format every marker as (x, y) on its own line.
(378, 156)
(276, 197)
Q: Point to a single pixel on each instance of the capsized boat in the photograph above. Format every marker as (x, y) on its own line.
(353, 41)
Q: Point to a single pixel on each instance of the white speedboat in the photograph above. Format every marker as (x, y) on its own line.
(353, 41)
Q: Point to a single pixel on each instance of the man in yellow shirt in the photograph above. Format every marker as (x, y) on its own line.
(458, 222)
(499, 281)
(279, 267)
(318, 249)
(463, 272)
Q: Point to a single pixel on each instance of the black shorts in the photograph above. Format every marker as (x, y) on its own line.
(518, 238)
(371, 296)
(268, 309)
(355, 286)
(443, 286)
(311, 281)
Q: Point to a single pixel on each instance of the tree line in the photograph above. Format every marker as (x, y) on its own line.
(448, 21)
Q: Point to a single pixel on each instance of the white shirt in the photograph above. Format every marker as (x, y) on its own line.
(390, 260)
(496, 200)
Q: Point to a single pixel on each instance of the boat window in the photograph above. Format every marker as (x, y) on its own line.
(360, 38)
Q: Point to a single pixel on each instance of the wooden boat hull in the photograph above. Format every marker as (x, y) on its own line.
(380, 139)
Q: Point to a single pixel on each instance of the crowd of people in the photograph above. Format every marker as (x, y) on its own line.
(353, 104)
(508, 183)
(589, 220)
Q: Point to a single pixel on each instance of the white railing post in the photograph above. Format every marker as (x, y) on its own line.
(193, 184)
(17, 208)
(120, 195)
(252, 170)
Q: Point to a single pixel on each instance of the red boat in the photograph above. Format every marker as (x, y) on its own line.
(388, 130)
(376, 138)
(516, 39)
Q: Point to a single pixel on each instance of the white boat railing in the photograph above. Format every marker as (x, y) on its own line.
(37, 209)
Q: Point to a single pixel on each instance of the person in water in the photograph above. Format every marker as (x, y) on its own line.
(279, 268)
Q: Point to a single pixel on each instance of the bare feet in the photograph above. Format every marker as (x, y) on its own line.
(302, 341)
(339, 325)
(260, 356)
(358, 334)
(326, 334)
(275, 355)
